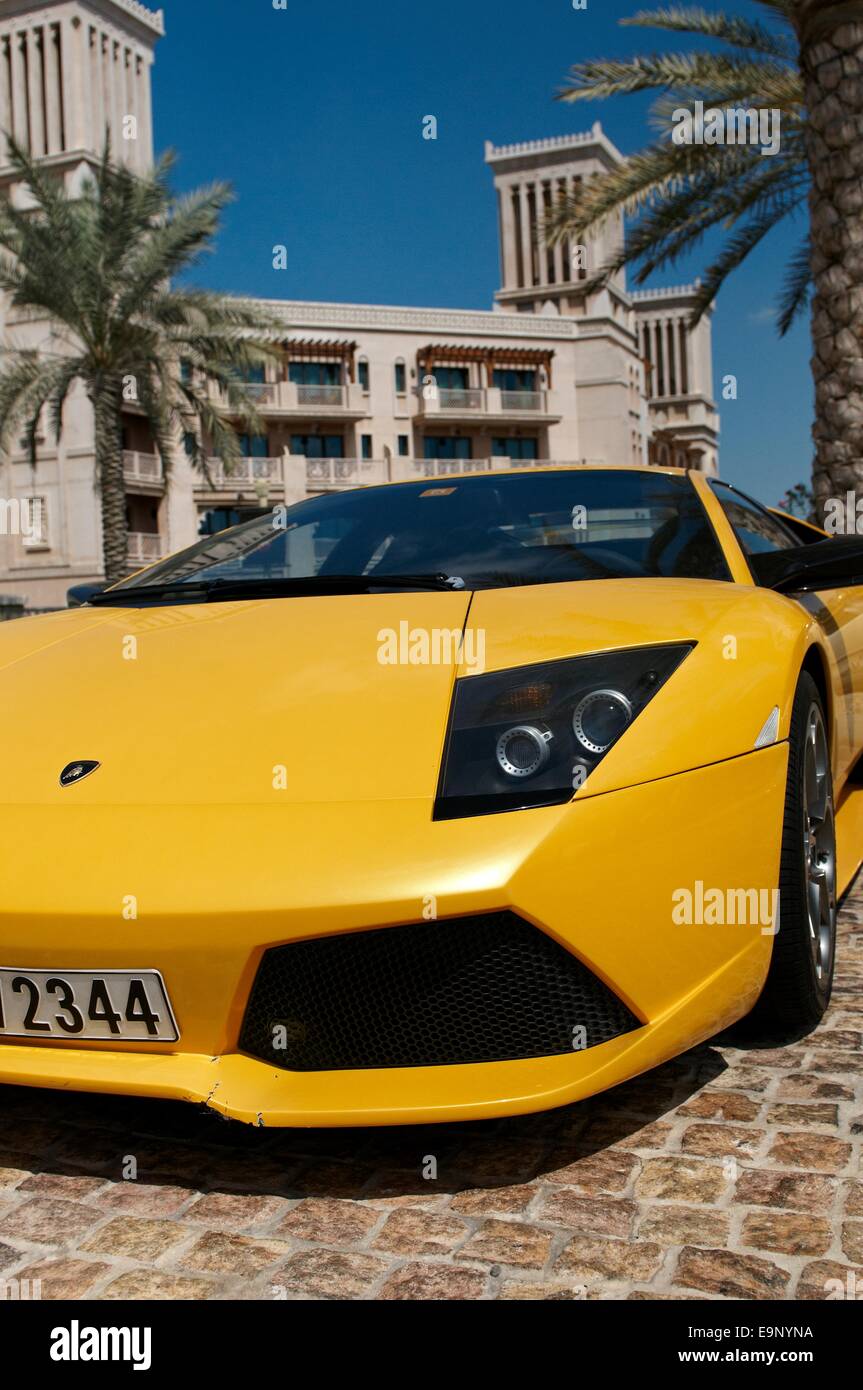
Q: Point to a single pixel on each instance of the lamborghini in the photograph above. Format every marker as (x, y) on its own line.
(461, 797)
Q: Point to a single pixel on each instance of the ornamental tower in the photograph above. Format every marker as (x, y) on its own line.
(72, 72)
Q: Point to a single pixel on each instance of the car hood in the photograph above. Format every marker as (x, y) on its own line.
(346, 699)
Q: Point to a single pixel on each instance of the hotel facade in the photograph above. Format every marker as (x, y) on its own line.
(362, 394)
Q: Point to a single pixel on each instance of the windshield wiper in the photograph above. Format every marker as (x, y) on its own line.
(223, 590)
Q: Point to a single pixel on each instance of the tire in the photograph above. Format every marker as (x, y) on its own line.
(800, 979)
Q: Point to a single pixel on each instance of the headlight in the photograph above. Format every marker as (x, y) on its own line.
(531, 736)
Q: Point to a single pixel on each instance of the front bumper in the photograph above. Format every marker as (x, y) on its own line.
(200, 893)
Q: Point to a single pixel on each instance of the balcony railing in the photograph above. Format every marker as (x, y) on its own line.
(522, 400)
(142, 468)
(144, 548)
(481, 400)
(446, 468)
(460, 399)
(263, 392)
(294, 398)
(321, 395)
(245, 473)
(323, 475)
(295, 471)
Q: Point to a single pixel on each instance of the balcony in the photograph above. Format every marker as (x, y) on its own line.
(258, 475)
(485, 403)
(331, 475)
(246, 475)
(144, 548)
(405, 470)
(295, 401)
(143, 470)
(294, 476)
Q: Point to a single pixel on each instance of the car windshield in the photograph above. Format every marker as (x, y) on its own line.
(480, 532)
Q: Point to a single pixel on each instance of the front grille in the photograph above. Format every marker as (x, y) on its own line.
(489, 988)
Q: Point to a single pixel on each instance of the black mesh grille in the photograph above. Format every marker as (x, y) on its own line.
(467, 989)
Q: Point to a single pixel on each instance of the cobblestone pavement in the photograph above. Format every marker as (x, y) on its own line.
(728, 1173)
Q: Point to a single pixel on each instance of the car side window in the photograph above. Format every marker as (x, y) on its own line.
(755, 528)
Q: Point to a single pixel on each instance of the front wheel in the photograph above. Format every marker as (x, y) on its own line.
(800, 979)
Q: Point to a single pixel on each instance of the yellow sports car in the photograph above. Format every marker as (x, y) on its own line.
(462, 797)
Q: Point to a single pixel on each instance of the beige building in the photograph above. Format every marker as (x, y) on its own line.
(364, 393)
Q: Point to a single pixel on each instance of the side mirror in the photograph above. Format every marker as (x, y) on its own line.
(828, 564)
(80, 594)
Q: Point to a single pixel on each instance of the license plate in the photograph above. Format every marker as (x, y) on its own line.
(96, 1006)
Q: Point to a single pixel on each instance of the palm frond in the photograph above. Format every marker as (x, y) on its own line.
(692, 19)
(795, 290)
(713, 76)
(99, 267)
(651, 175)
(674, 194)
(735, 251)
(675, 226)
(28, 381)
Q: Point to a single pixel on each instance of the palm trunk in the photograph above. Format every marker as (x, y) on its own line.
(106, 398)
(831, 55)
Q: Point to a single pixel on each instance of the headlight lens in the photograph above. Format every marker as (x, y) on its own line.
(531, 736)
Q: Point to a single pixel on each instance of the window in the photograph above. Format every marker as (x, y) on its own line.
(254, 376)
(403, 446)
(515, 378)
(494, 530)
(365, 446)
(185, 370)
(318, 446)
(363, 373)
(315, 373)
(451, 378)
(190, 444)
(401, 379)
(441, 446)
(33, 523)
(755, 528)
(254, 446)
(514, 448)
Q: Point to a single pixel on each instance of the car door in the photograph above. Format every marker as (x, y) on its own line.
(839, 613)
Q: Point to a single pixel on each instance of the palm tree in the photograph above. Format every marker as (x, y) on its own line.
(809, 67)
(97, 266)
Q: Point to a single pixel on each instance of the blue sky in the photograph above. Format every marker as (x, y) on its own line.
(315, 112)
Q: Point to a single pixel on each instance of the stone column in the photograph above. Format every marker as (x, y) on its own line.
(53, 95)
(526, 236)
(34, 94)
(5, 100)
(541, 247)
(685, 369)
(509, 264)
(118, 109)
(558, 188)
(145, 132)
(659, 373)
(79, 70)
(675, 338)
(19, 89)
